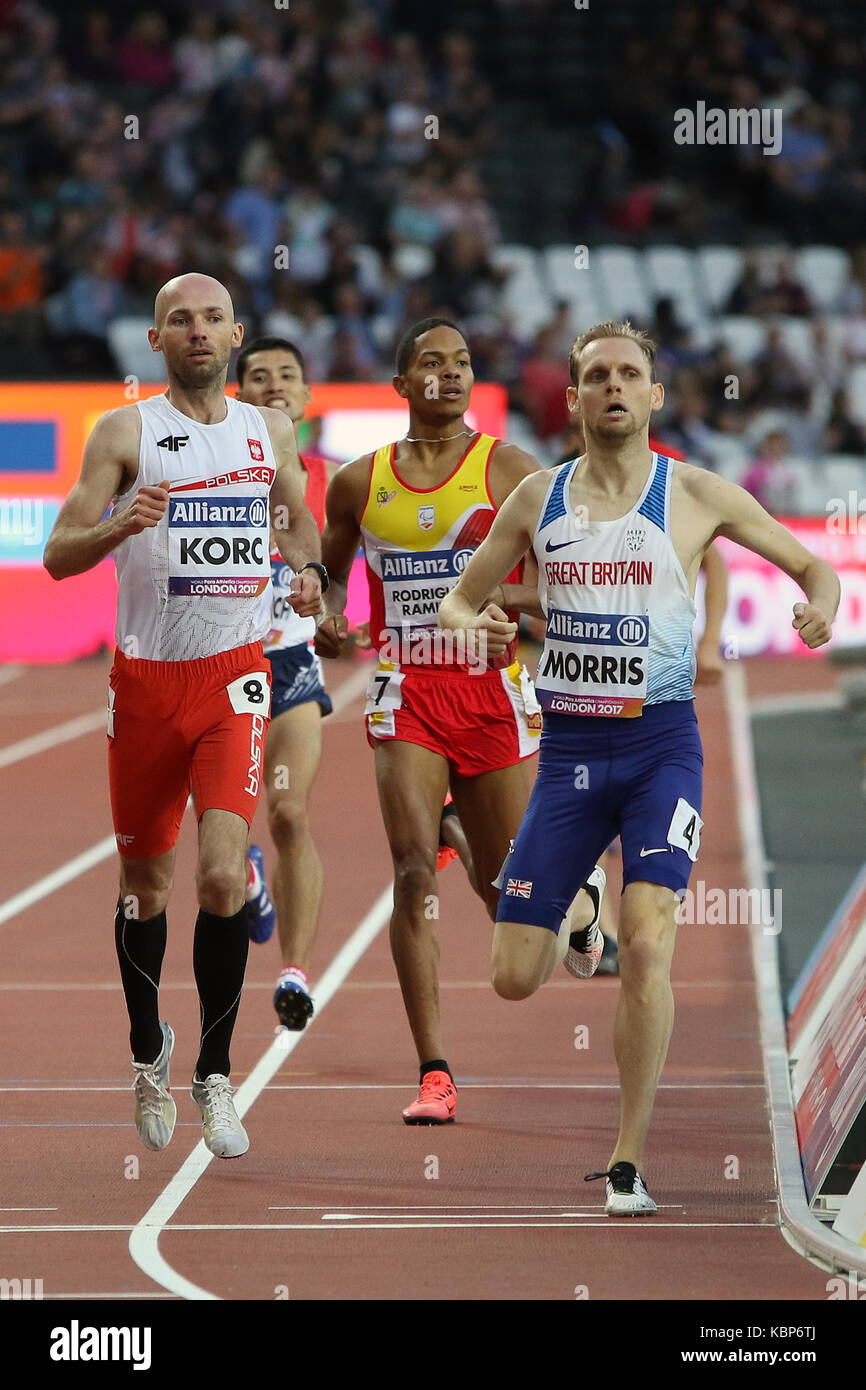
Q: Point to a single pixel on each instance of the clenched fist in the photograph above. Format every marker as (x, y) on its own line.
(812, 625)
(147, 508)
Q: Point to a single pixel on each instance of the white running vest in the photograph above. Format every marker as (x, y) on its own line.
(288, 628)
(617, 601)
(198, 583)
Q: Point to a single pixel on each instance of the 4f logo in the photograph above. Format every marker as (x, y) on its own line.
(173, 442)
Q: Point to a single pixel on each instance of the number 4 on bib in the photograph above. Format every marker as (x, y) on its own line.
(250, 694)
(685, 828)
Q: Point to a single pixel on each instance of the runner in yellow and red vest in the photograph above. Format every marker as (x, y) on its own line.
(437, 714)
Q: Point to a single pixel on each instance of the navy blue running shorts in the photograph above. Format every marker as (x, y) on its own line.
(296, 679)
(598, 778)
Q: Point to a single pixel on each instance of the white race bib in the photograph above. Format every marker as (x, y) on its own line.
(218, 538)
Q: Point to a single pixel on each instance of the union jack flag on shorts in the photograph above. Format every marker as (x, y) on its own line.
(519, 887)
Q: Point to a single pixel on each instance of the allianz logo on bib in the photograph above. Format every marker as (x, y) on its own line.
(621, 630)
(238, 511)
(414, 565)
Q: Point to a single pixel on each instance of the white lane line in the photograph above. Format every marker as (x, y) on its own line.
(11, 673)
(144, 1241)
(349, 690)
(49, 738)
(190, 1291)
(502, 1216)
(74, 1297)
(57, 878)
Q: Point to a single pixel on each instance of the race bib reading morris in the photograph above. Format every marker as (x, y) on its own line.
(414, 584)
(218, 534)
(594, 663)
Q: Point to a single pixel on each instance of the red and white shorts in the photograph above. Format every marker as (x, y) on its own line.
(479, 723)
(181, 726)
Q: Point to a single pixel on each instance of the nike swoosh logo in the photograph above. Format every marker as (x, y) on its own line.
(562, 544)
(645, 852)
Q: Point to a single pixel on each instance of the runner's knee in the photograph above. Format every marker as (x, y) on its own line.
(644, 964)
(514, 973)
(144, 889)
(513, 979)
(288, 821)
(414, 876)
(220, 889)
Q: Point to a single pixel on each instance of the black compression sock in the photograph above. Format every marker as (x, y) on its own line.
(438, 1064)
(140, 949)
(219, 957)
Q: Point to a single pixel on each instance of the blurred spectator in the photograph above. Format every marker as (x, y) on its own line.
(298, 317)
(417, 216)
(779, 378)
(309, 216)
(688, 430)
(195, 55)
(786, 295)
(20, 266)
(842, 433)
(254, 212)
(144, 56)
(770, 477)
(543, 384)
(468, 210)
(749, 295)
(80, 314)
(351, 325)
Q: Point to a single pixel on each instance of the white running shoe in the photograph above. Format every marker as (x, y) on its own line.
(155, 1110)
(222, 1130)
(585, 947)
(626, 1192)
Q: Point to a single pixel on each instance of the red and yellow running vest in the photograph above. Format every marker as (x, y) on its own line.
(417, 542)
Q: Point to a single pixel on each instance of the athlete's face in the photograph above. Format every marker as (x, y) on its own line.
(614, 397)
(274, 377)
(439, 379)
(196, 332)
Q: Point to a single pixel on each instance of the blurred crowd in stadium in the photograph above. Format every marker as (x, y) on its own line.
(348, 168)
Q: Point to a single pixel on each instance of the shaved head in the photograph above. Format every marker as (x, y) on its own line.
(195, 331)
(184, 290)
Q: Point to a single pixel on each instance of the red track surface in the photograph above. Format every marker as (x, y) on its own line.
(507, 1217)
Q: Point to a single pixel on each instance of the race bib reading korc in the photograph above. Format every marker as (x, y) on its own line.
(218, 534)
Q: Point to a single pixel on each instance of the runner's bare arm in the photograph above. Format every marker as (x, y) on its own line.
(709, 658)
(509, 465)
(508, 540)
(80, 538)
(344, 506)
(522, 597)
(741, 518)
(294, 526)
